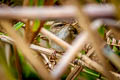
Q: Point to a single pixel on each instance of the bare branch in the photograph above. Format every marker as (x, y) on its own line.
(38, 12)
(91, 10)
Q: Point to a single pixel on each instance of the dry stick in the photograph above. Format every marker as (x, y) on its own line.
(97, 11)
(46, 3)
(90, 52)
(47, 61)
(44, 50)
(17, 63)
(49, 2)
(28, 32)
(36, 48)
(36, 32)
(74, 73)
(32, 46)
(7, 53)
(38, 12)
(116, 74)
(69, 55)
(91, 10)
(113, 57)
(59, 41)
(65, 45)
(97, 42)
(88, 62)
(113, 24)
(27, 23)
(28, 53)
(25, 2)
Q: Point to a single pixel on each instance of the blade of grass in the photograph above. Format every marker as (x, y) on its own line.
(18, 25)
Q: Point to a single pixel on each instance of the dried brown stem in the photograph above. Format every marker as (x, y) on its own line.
(17, 62)
(65, 45)
(55, 38)
(38, 12)
(25, 2)
(72, 75)
(91, 10)
(88, 62)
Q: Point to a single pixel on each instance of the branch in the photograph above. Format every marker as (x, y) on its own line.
(38, 12)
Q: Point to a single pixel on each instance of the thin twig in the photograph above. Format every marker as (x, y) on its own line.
(90, 52)
(55, 38)
(47, 61)
(7, 53)
(17, 62)
(74, 73)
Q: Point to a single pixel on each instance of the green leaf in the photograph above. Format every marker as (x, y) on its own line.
(18, 25)
(101, 30)
(27, 71)
(1, 33)
(115, 48)
(40, 2)
(83, 51)
(36, 25)
(31, 2)
(55, 1)
(47, 27)
(38, 39)
(90, 74)
(99, 1)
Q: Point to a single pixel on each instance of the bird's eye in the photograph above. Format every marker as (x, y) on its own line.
(58, 24)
